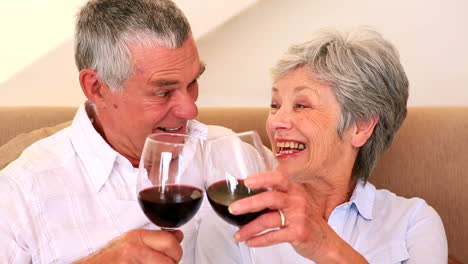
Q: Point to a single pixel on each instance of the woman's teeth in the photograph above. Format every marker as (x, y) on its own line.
(290, 144)
(288, 147)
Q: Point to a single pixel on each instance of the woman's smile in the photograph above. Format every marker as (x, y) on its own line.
(285, 148)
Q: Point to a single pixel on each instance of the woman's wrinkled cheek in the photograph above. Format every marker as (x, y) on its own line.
(316, 132)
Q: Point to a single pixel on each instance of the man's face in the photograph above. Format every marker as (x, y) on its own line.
(159, 97)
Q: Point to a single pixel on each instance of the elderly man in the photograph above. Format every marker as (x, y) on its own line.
(71, 197)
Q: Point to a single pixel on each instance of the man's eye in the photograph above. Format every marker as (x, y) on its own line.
(163, 93)
(273, 106)
(193, 82)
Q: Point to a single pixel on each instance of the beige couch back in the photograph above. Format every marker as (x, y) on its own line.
(17, 120)
(428, 159)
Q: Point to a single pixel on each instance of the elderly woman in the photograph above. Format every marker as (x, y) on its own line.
(337, 102)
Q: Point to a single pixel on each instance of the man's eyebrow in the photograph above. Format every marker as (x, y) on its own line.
(164, 82)
(169, 82)
(201, 70)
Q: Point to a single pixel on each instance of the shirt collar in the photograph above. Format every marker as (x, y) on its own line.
(197, 129)
(97, 156)
(363, 197)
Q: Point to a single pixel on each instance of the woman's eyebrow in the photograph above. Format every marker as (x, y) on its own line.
(302, 88)
(297, 89)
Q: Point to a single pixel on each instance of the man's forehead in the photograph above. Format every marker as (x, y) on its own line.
(141, 52)
(147, 59)
(165, 81)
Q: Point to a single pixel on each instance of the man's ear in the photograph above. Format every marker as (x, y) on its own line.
(92, 87)
(363, 130)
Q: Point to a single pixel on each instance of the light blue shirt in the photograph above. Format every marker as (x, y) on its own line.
(383, 227)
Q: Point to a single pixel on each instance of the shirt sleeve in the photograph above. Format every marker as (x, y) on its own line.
(426, 239)
(12, 248)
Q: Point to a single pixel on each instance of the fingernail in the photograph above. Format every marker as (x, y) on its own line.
(250, 182)
(237, 237)
(233, 209)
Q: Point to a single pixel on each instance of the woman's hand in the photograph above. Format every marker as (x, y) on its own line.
(305, 229)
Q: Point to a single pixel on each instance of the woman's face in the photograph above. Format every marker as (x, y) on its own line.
(302, 127)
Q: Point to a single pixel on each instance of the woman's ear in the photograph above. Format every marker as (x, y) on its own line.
(92, 87)
(363, 130)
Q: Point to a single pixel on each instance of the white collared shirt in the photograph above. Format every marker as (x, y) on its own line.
(71, 193)
(384, 228)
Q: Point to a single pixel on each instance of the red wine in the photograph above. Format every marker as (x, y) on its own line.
(221, 194)
(170, 208)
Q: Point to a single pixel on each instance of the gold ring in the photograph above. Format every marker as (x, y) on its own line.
(283, 218)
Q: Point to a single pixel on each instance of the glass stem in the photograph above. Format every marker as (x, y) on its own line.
(168, 229)
(252, 255)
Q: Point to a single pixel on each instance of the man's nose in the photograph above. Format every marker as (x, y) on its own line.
(186, 107)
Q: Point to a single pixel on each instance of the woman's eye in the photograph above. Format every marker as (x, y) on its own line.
(301, 106)
(274, 108)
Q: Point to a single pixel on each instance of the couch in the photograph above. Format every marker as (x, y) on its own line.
(428, 159)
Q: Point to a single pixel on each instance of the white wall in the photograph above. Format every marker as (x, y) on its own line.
(431, 36)
(36, 60)
(36, 51)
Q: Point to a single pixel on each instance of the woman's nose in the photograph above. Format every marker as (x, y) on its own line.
(280, 119)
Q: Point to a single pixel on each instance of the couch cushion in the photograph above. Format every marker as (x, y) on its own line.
(15, 120)
(13, 148)
(429, 159)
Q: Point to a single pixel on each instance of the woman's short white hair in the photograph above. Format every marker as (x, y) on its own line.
(368, 79)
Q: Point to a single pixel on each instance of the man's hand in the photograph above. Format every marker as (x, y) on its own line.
(140, 246)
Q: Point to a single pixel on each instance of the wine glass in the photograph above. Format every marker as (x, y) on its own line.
(229, 161)
(170, 182)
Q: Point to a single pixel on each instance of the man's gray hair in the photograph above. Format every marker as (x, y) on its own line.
(368, 80)
(105, 28)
